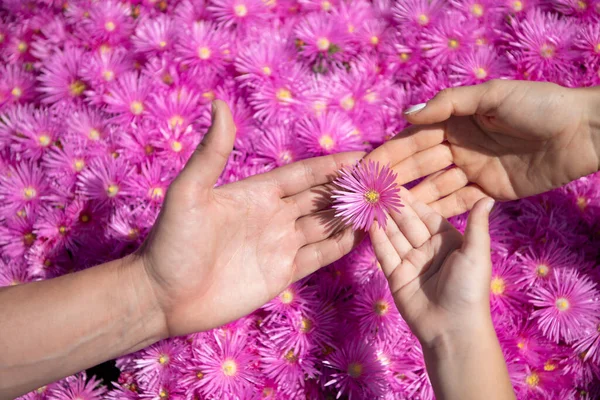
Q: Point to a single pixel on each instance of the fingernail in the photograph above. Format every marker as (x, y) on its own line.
(414, 109)
(490, 205)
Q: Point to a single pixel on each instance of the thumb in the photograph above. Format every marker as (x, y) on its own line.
(477, 233)
(459, 101)
(210, 157)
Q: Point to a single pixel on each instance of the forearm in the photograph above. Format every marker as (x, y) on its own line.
(54, 328)
(590, 104)
(469, 367)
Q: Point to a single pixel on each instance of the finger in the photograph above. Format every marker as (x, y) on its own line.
(477, 233)
(397, 238)
(384, 250)
(316, 255)
(312, 200)
(210, 157)
(459, 202)
(432, 220)
(318, 226)
(407, 143)
(439, 185)
(409, 223)
(465, 100)
(423, 163)
(302, 175)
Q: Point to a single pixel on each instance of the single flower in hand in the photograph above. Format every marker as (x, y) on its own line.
(364, 193)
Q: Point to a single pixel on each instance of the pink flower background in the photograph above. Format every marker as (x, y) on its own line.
(102, 102)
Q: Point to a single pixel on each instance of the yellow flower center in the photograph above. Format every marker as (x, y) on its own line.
(355, 370)
(480, 73)
(229, 368)
(582, 5)
(498, 286)
(453, 44)
(44, 140)
(326, 142)
(521, 345)
(204, 53)
(290, 356)
(372, 196)
(323, 44)
(78, 165)
(370, 97)
(582, 203)
(136, 107)
(423, 19)
(347, 103)
(162, 44)
(542, 270)
(549, 366)
(62, 230)
(381, 307)
(29, 193)
(404, 57)
(94, 134)
(477, 10)
(16, 92)
(267, 70)
(517, 6)
(351, 28)
(597, 48)
(240, 10)
(22, 47)
(532, 380)
(283, 95)
(209, 95)
(562, 304)
(167, 78)
(374, 40)
(157, 193)
(163, 359)
(547, 50)
(326, 5)
(175, 121)
(176, 146)
(77, 88)
(286, 157)
(112, 190)
(28, 239)
(84, 218)
(199, 375)
(108, 75)
(163, 394)
(286, 296)
(305, 325)
(110, 26)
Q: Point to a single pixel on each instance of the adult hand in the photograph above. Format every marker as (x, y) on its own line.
(216, 254)
(440, 282)
(506, 139)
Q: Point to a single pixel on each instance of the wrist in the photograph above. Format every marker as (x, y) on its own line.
(145, 308)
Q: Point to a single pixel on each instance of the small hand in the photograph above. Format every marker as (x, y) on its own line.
(439, 279)
(217, 254)
(507, 140)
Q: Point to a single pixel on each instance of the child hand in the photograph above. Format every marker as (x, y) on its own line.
(439, 279)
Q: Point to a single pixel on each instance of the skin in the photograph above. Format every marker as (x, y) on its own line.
(505, 139)
(440, 282)
(214, 255)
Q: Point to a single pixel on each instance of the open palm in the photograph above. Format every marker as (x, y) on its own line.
(439, 280)
(506, 139)
(217, 254)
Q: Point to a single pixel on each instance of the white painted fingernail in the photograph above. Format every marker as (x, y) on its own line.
(490, 205)
(415, 109)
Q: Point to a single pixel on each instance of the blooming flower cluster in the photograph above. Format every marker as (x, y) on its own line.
(102, 102)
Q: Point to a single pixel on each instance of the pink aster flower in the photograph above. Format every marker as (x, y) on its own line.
(90, 125)
(17, 234)
(537, 383)
(13, 272)
(402, 55)
(374, 309)
(564, 304)
(126, 98)
(320, 37)
(451, 37)
(296, 297)
(482, 10)
(365, 193)
(103, 181)
(189, 12)
(109, 23)
(540, 263)
(226, 367)
(418, 13)
(477, 67)
(276, 146)
(16, 85)
(102, 68)
(206, 47)
(327, 134)
(176, 144)
(44, 261)
(178, 107)
(264, 59)
(356, 371)
(589, 344)
(520, 7)
(544, 43)
(152, 182)
(324, 6)
(56, 225)
(78, 387)
(358, 92)
(588, 44)
(155, 36)
(60, 78)
(582, 9)
(24, 186)
(507, 295)
(157, 361)
(238, 13)
(37, 134)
